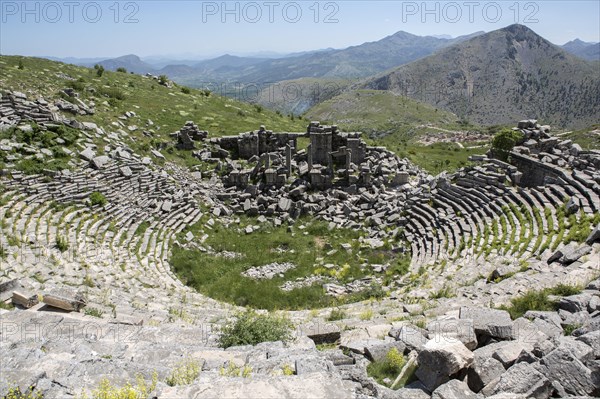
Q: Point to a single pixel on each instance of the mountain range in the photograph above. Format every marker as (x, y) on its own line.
(488, 78)
(353, 62)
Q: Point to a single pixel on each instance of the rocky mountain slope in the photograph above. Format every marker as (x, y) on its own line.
(502, 76)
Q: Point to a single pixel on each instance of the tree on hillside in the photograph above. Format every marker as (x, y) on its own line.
(504, 141)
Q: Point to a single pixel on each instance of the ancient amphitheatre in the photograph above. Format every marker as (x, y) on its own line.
(86, 262)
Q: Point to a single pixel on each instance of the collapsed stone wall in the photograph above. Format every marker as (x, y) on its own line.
(249, 144)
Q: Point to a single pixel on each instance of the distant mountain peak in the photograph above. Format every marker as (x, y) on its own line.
(130, 57)
(578, 41)
(519, 30)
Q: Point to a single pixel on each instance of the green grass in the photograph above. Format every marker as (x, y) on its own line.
(337, 314)
(444, 292)
(377, 112)
(47, 139)
(565, 290)
(539, 300)
(62, 244)
(366, 315)
(30, 393)
(220, 277)
(585, 138)
(568, 329)
(327, 346)
(434, 158)
(93, 312)
(140, 389)
(141, 229)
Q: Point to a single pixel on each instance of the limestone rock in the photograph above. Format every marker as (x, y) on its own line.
(440, 360)
(593, 340)
(461, 329)
(574, 255)
(489, 322)
(454, 389)
(594, 236)
(521, 379)
(576, 379)
(412, 337)
(482, 372)
(575, 303)
(377, 352)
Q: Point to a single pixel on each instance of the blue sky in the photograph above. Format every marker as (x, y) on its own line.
(182, 29)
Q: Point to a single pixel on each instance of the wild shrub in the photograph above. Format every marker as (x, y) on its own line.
(251, 328)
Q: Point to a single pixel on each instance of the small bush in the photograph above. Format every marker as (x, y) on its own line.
(99, 70)
(568, 329)
(88, 282)
(366, 315)
(97, 198)
(250, 328)
(184, 373)
(287, 370)
(121, 70)
(93, 312)
(234, 371)
(106, 390)
(336, 314)
(444, 292)
(15, 393)
(539, 300)
(565, 290)
(185, 90)
(389, 367)
(163, 79)
(21, 66)
(30, 166)
(112, 93)
(77, 85)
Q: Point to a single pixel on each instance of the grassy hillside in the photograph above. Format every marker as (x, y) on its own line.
(588, 138)
(115, 93)
(377, 113)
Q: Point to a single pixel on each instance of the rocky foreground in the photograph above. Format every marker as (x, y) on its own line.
(474, 352)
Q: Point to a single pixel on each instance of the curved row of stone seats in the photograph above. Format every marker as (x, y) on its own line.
(88, 223)
(479, 212)
(106, 256)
